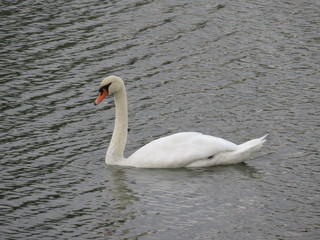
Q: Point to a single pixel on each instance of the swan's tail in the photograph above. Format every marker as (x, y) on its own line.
(247, 148)
(242, 153)
(253, 145)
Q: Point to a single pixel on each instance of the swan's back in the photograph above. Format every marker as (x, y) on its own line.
(179, 150)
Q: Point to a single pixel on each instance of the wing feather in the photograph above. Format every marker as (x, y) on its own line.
(179, 150)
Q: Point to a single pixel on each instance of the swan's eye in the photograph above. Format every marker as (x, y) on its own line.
(106, 87)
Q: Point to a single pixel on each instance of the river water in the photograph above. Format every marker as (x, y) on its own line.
(233, 69)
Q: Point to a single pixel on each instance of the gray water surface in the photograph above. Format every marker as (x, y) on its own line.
(232, 69)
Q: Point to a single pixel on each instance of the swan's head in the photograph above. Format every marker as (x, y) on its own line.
(108, 86)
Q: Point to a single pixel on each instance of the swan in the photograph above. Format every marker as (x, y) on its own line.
(185, 149)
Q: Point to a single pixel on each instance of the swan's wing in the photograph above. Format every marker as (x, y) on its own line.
(179, 150)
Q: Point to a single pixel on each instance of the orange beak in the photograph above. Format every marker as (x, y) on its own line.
(101, 96)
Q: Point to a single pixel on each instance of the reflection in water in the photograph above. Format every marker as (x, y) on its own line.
(122, 199)
(142, 196)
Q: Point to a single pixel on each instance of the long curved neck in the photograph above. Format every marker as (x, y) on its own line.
(120, 131)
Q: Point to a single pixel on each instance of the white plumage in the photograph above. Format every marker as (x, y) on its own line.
(186, 149)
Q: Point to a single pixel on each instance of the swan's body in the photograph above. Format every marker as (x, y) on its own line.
(186, 149)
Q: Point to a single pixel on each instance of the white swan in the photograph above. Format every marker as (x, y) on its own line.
(186, 149)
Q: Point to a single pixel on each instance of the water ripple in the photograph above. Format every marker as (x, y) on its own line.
(235, 69)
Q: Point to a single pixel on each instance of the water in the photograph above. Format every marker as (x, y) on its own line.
(232, 69)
